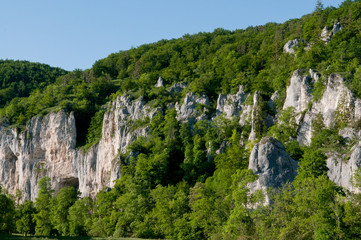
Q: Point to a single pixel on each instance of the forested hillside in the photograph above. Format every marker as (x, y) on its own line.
(20, 78)
(188, 174)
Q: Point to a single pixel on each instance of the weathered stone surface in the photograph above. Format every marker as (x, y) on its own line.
(47, 148)
(192, 108)
(231, 105)
(337, 100)
(299, 92)
(274, 167)
(337, 97)
(245, 117)
(254, 114)
(327, 35)
(160, 82)
(341, 170)
(290, 46)
(117, 134)
(348, 133)
(314, 75)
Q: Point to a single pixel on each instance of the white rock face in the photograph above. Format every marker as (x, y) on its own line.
(341, 170)
(254, 113)
(231, 105)
(290, 46)
(326, 35)
(117, 134)
(274, 167)
(245, 117)
(159, 83)
(337, 97)
(347, 133)
(299, 92)
(192, 108)
(47, 148)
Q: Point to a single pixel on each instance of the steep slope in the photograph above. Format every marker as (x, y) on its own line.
(187, 117)
(47, 146)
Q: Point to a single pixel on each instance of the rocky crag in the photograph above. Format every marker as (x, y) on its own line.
(47, 146)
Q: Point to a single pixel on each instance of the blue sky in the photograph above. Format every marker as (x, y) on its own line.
(74, 34)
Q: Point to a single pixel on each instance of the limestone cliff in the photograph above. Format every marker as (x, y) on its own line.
(47, 145)
(337, 104)
(337, 98)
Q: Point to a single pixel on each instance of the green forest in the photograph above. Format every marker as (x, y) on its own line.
(174, 188)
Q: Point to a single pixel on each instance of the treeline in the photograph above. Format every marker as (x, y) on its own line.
(20, 78)
(210, 63)
(77, 91)
(178, 189)
(220, 61)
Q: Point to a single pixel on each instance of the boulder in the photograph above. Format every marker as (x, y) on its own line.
(274, 167)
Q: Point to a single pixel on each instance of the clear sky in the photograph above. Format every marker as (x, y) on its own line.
(74, 34)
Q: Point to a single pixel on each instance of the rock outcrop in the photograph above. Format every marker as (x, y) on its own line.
(337, 105)
(160, 83)
(193, 108)
(274, 167)
(299, 92)
(327, 35)
(337, 98)
(341, 170)
(255, 113)
(117, 134)
(291, 45)
(255, 116)
(231, 105)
